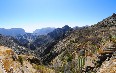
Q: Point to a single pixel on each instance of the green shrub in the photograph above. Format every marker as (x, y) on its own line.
(20, 59)
(69, 57)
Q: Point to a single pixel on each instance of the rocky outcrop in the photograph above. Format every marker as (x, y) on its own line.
(108, 66)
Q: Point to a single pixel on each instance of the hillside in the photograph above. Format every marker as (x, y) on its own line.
(45, 43)
(84, 49)
(89, 49)
(10, 62)
(14, 44)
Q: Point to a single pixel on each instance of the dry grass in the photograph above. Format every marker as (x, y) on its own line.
(43, 69)
(7, 64)
(9, 52)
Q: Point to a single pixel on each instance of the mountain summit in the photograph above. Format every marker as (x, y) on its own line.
(43, 31)
(12, 31)
(114, 15)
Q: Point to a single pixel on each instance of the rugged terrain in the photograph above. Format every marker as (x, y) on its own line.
(89, 49)
(85, 49)
(10, 62)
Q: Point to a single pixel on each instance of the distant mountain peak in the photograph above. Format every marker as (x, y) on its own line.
(66, 26)
(12, 31)
(113, 15)
(43, 31)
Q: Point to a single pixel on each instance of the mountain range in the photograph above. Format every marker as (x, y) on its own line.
(12, 31)
(43, 31)
(88, 49)
(21, 31)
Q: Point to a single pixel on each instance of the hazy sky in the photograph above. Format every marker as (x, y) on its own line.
(34, 14)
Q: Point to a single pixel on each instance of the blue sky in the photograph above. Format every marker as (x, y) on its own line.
(34, 14)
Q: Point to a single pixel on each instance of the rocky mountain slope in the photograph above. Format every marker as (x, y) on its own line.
(10, 62)
(14, 44)
(33, 41)
(45, 43)
(26, 40)
(64, 50)
(15, 58)
(84, 49)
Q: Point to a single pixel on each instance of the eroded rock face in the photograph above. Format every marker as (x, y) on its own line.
(108, 66)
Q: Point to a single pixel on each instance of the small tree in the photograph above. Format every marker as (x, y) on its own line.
(20, 59)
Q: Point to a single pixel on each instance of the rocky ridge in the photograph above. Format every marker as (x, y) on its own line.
(88, 43)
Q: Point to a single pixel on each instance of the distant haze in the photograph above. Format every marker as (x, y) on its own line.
(36, 14)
